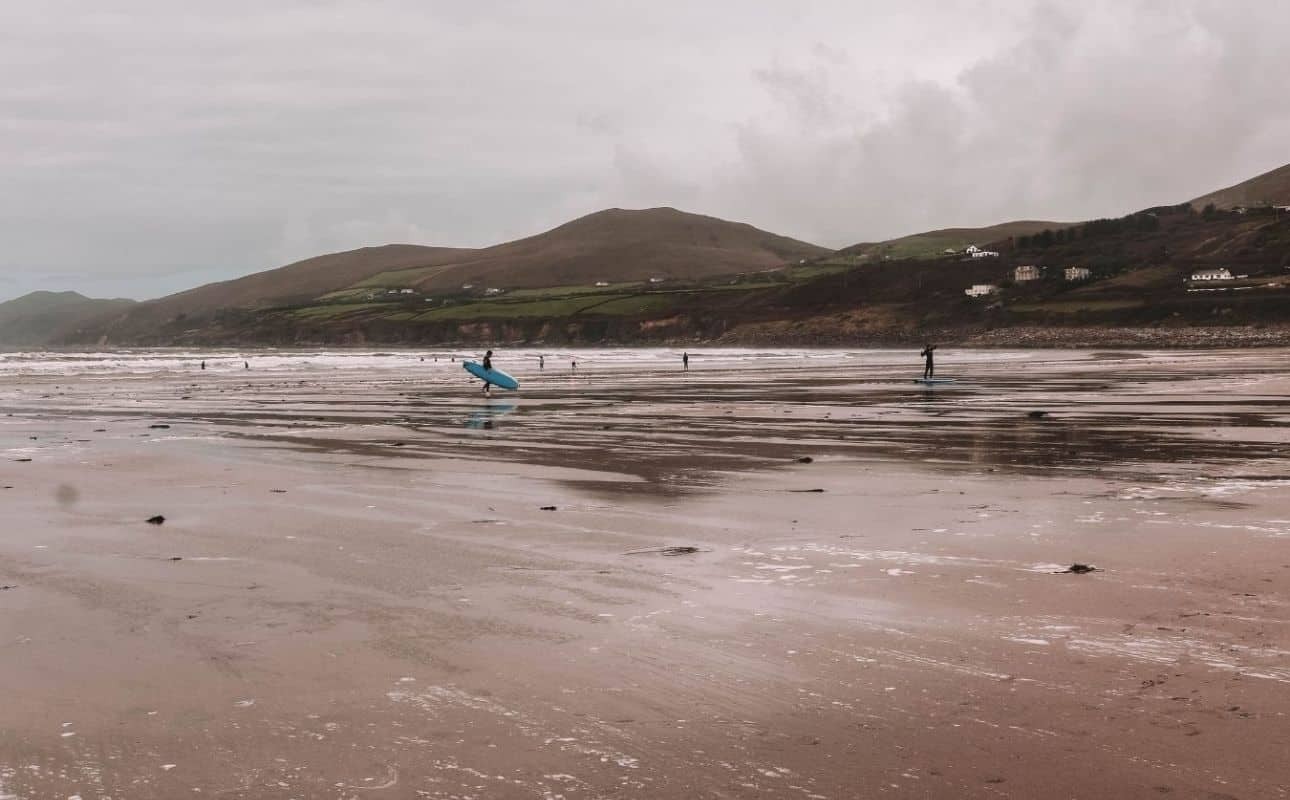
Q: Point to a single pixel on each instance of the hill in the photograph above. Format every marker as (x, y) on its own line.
(1134, 273)
(617, 245)
(931, 244)
(42, 317)
(586, 282)
(299, 282)
(1270, 188)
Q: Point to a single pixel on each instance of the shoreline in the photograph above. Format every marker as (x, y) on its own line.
(1165, 338)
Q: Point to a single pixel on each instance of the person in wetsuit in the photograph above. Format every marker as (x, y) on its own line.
(685, 361)
(488, 364)
(930, 368)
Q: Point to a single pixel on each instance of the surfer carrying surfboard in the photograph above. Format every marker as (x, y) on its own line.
(490, 376)
(930, 368)
(488, 365)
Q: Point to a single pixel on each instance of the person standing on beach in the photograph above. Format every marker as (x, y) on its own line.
(488, 364)
(685, 361)
(203, 363)
(541, 362)
(930, 368)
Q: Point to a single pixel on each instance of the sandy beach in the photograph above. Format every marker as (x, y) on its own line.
(373, 582)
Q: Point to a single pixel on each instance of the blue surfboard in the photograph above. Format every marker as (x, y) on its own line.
(494, 376)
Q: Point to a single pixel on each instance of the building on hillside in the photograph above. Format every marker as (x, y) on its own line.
(981, 290)
(490, 291)
(1077, 273)
(1220, 274)
(977, 252)
(602, 283)
(467, 286)
(407, 291)
(970, 249)
(1027, 272)
(949, 251)
(656, 280)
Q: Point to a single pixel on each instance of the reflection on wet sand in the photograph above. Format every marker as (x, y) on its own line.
(376, 584)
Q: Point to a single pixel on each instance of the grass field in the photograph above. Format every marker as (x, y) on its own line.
(400, 277)
(338, 309)
(565, 291)
(512, 309)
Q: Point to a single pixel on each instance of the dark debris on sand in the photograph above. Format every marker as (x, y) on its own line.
(1077, 569)
(675, 550)
(157, 520)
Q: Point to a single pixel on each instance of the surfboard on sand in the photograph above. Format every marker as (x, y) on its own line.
(930, 381)
(494, 376)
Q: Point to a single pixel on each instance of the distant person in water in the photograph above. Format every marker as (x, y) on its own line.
(685, 361)
(203, 363)
(574, 364)
(541, 362)
(246, 365)
(930, 368)
(488, 364)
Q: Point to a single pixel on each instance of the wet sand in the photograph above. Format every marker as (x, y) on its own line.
(356, 592)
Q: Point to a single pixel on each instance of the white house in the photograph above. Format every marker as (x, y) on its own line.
(971, 249)
(602, 283)
(981, 290)
(985, 253)
(407, 291)
(490, 291)
(1221, 274)
(1077, 273)
(656, 280)
(468, 286)
(1027, 272)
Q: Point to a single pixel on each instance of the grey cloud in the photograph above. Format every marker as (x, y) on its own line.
(1093, 110)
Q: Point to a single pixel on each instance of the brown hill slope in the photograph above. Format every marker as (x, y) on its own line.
(298, 282)
(43, 317)
(305, 280)
(1270, 188)
(620, 245)
(932, 243)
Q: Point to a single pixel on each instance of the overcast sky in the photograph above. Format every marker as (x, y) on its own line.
(148, 146)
